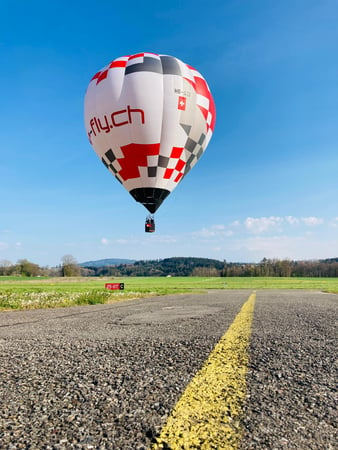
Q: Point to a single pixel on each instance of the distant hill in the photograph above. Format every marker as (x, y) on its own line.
(107, 262)
(329, 260)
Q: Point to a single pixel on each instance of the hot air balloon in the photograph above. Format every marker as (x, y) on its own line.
(149, 118)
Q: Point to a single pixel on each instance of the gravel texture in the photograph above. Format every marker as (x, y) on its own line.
(292, 381)
(107, 376)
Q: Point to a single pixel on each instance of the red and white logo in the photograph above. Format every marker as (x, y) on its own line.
(182, 101)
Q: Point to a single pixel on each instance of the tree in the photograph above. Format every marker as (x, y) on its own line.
(5, 267)
(205, 272)
(27, 268)
(70, 267)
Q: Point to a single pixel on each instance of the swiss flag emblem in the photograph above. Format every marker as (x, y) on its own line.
(182, 103)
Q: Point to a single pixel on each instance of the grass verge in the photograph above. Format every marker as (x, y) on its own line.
(32, 293)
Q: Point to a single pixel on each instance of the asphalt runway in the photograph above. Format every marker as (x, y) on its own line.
(109, 376)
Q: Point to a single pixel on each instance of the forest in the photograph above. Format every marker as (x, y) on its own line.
(177, 266)
(180, 266)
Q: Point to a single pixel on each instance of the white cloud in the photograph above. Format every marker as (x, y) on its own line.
(259, 225)
(229, 233)
(334, 222)
(218, 227)
(235, 223)
(312, 221)
(205, 233)
(213, 231)
(280, 237)
(262, 224)
(247, 239)
(281, 247)
(291, 220)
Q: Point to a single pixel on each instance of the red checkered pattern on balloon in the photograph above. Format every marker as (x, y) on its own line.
(175, 171)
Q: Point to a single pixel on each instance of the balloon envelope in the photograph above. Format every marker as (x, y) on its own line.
(149, 118)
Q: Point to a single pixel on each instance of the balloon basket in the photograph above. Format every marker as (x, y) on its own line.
(149, 226)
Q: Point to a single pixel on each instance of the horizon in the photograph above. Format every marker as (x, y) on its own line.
(131, 261)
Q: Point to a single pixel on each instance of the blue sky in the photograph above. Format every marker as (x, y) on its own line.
(267, 185)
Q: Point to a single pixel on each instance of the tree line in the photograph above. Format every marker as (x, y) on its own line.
(177, 266)
(284, 268)
(68, 268)
(214, 268)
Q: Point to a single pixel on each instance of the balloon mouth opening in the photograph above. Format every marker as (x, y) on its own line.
(151, 198)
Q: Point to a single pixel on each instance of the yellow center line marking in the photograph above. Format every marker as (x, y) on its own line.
(207, 416)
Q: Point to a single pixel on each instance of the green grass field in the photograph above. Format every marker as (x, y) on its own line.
(31, 293)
